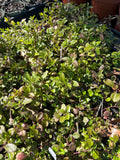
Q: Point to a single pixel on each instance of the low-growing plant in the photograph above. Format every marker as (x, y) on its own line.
(54, 74)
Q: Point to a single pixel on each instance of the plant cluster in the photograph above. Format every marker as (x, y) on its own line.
(54, 74)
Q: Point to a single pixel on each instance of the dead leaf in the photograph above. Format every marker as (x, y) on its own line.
(21, 156)
(106, 115)
(72, 146)
(101, 37)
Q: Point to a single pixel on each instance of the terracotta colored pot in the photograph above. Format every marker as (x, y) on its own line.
(117, 26)
(76, 1)
(104, 8)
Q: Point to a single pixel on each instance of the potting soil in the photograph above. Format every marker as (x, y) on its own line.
(15, 6)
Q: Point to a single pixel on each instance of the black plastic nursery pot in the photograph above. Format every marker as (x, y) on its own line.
(2, 2)
(33, 10)
(13, 8)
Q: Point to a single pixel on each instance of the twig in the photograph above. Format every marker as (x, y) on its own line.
(77, 126)
(10, 114)
(61, 53)
(100, 108)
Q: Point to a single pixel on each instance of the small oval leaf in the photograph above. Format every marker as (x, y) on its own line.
(115, 97)
(76, 135)
(27, 101)
(10, 147)
(109, 83)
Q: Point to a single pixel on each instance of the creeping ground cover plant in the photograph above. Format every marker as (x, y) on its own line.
(55, 74)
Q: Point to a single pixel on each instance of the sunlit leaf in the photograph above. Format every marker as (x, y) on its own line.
(62, 119)
(76, 135)
(89, 143)
(44, 74)
(90, 92)
(95, 154)
(1, 156)
(85, 120)
(108, 99)
(10, 147)
(27, 101)
(75, 84)
(2, 129)
(109, 82)
(115, 97)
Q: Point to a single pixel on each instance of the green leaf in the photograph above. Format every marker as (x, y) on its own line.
(11, 131)
(90, 92)
(10, 147)
(56, 147)
(59, 138)
(2, 129)
(27, 77)
(11, 155)
(73, 42)
(109, 83)
(114, 137)
(88, 47)
(62, 151)
(45, 74)
(27, 101)
(62, 77)
(67, 116)
(84, 92)
(68, 108)
(0, 116)
(95, 154)
(108, 99)
(76, 135)
(89, 143)
(97, 51)
(85, 120)
(75, 84)
(63, 107)
(91, 54)
(1, 156)
(6, 19)
(62, 119)
(116, 157)
(115, 97)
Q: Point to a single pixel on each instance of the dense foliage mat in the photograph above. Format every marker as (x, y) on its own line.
(54, 74)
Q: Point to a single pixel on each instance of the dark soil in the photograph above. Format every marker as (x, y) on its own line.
(12, 7)
(16, 6)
